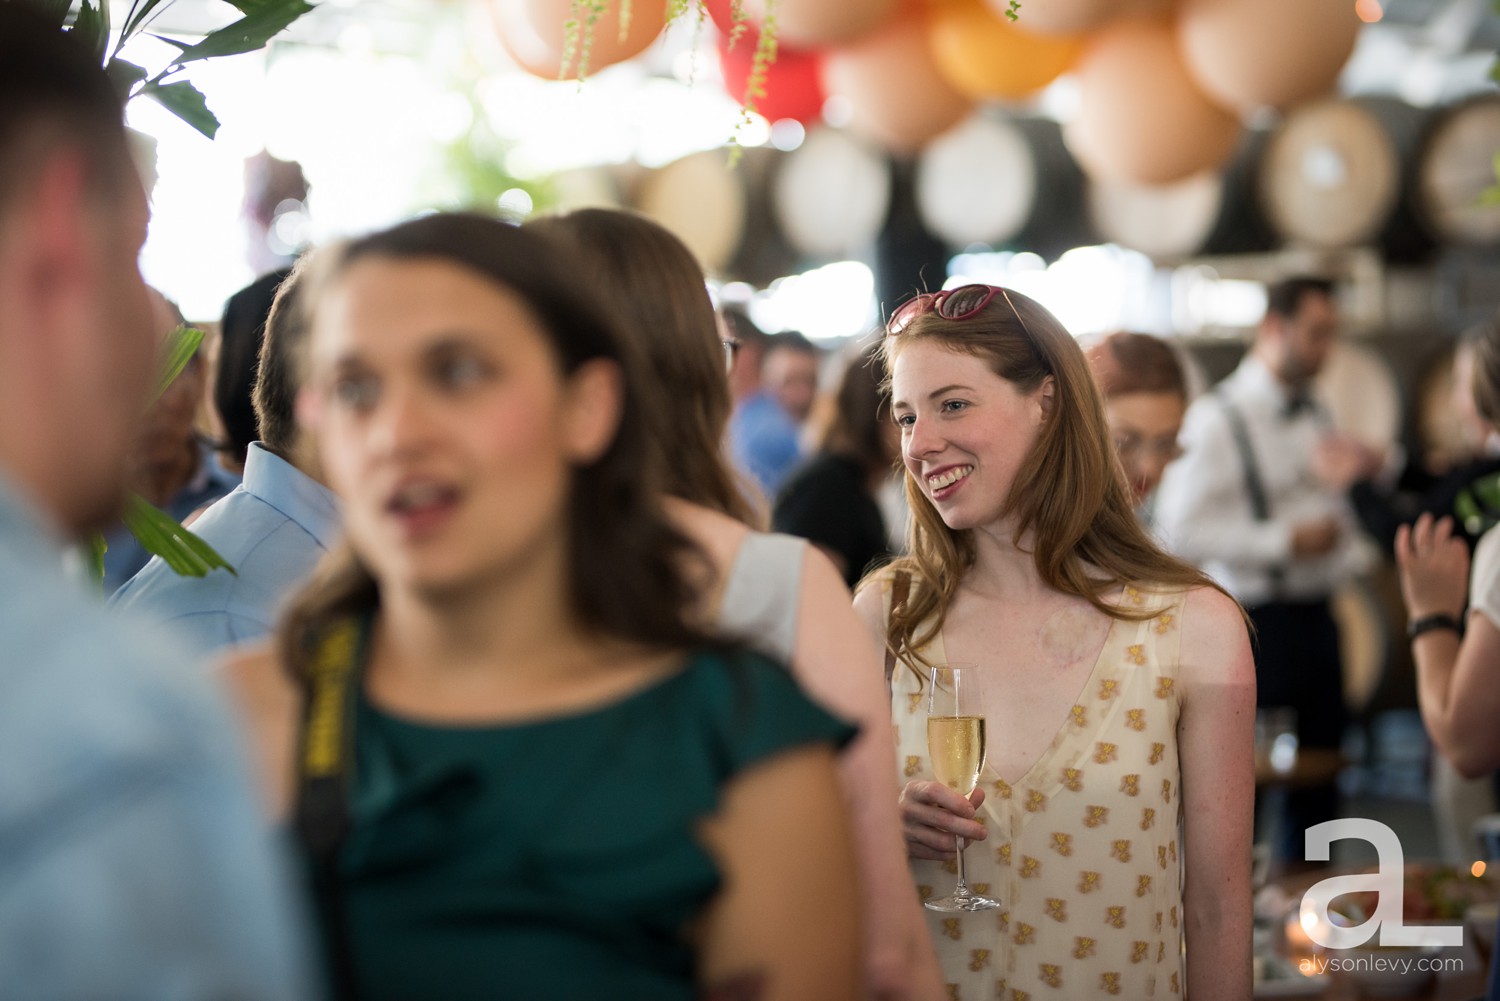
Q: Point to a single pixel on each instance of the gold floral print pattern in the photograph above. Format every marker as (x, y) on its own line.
(1114, 748)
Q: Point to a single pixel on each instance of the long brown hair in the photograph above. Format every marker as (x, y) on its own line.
(616, 528)
(1068, 494)
(857, 421)
(652, 280)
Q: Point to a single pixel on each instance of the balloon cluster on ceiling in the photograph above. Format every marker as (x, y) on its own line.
(1163, 85)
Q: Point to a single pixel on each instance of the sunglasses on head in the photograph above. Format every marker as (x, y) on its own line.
(950, 304)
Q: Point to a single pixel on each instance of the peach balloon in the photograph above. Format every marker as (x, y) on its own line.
(1253, 53)
(984, 56)
(533, 32)
(898, 97)
(1059, 17)
(1141, 118)
(809, 24)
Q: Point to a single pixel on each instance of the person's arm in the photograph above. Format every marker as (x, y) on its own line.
(1458, 681)
(270, 708)
(1216, 748)
(785, 925)
(838, 666)
(151, 875)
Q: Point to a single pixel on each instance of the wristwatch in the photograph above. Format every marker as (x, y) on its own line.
(1427, 623)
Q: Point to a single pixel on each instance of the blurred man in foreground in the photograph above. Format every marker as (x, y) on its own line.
(133, 860)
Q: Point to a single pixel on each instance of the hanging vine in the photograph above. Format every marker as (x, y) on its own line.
(760, 68)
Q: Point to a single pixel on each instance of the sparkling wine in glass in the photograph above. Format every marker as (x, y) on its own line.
(955, 743)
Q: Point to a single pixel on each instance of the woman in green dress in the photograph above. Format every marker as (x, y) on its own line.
(522, 774)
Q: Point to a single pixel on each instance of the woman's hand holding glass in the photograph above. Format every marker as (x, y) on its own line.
(932, 815)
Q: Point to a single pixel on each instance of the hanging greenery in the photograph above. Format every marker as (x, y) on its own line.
(158, 532)
(261, 21)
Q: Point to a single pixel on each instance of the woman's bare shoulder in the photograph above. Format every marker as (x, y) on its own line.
(1215, 638)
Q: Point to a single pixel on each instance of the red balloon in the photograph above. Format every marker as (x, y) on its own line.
(793, 84)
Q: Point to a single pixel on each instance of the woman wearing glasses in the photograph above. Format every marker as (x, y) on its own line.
(1145, 398)
(1112, 819)
(522, 772)
(778, 593)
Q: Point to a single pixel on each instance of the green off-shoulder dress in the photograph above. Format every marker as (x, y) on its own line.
(555, 859)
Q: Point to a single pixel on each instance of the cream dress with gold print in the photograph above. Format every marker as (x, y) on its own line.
(1083, 851)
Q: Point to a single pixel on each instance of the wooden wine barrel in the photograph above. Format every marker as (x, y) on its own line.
(831, 195)
(1213, 212)
(1003, 182)
(764, 254)
(1362, 394)
(589, 187)
(1335, 175)
(700, 199)
(1455, 166)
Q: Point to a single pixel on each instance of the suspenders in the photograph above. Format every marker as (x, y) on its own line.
(1255, 488)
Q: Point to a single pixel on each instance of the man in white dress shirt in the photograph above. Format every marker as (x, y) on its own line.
(1245, 502)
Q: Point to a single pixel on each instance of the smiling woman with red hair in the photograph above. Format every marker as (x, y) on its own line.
(1116, 679)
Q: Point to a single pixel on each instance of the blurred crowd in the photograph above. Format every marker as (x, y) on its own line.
(581, 640)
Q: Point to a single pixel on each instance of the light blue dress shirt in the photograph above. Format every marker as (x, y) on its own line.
(125, 556)
(134, 860)
(272, 529)
(763, 441)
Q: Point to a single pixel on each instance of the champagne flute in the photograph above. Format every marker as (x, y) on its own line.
(955, 743)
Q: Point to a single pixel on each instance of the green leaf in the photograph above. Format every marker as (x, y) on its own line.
(180, 46)
(186, 102)
(1486, 490)
(94, 548)
(124, 76)
(249, 33)
(91, 27)
(54, 12)
(182, 344)
(250, 6)
(161, 535)
(137, 17)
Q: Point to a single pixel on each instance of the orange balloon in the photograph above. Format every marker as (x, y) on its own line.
(899, 99)
(534, 33)
(1253, 53)
(1141, 118)
(985, 56)
(806, 24)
